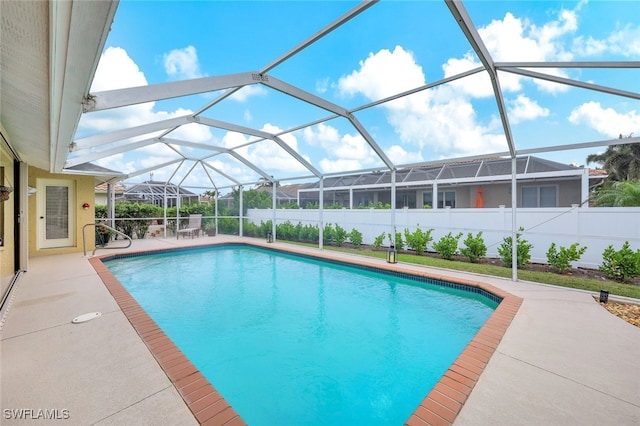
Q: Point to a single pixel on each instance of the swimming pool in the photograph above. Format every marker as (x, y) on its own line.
(291, 340)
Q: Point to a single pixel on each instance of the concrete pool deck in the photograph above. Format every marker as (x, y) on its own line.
(564, 360)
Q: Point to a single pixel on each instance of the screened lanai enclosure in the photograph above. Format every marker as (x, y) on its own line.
(444, 109)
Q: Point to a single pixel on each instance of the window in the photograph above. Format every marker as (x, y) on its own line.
(445, 199)
(540, 196)
(406, 199)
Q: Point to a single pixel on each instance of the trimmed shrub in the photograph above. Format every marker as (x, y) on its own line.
(418, 240)
(340, 235)
(620, 264)
(474, 248)
(523, 250)
(355, 237)
(398, 243)
(327, 234)
(447, 246)
(561, 259)
(377, 242)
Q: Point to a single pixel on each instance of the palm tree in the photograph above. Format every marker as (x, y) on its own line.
(266, 183)
(619, 194)
(622, 162)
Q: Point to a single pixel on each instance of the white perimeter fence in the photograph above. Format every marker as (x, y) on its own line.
(595, 228)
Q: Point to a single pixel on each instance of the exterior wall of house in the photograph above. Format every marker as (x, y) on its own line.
(101, 199)
(568, 193)
(84, 192)
(7, 256)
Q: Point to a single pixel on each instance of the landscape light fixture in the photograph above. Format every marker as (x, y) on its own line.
(392, 255)
(604, 296)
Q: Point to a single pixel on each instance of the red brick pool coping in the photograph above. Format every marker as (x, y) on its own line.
(440, 407)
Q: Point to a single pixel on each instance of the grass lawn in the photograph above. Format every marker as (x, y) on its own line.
(614, 288)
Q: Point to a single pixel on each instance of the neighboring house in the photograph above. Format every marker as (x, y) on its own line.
(285, 194)
(482, 183)
(155, 192)
(102, 195)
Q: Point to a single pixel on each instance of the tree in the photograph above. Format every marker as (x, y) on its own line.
(622, 162)
(266, 183)
(251, 199)
(618, 194)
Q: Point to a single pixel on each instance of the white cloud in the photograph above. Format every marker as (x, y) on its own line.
(514, 39)
(349, 150)
(191, 132)
(322, 85)
(182, 63)
(523, 109)
(477, 85)
(398, 155)
(606, 121)
(248, 91)
(339, 166)
(322, 135)
(398, 70)
(233, 139)
(442, 119)
(267, 155)
(116, 70)
(624, 41)
(116, 162)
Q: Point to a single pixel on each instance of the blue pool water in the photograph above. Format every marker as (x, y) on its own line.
(289, 340)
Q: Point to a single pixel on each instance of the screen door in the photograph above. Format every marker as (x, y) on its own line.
(56, 214)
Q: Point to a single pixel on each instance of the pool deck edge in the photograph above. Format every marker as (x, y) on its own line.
(206, 404)
(439, 407)
(562, 360)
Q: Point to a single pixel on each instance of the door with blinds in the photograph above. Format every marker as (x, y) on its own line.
(56, 214)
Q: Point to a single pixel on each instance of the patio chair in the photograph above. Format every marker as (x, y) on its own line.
(193, 228)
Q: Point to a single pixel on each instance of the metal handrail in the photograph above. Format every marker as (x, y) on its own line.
(84, 239)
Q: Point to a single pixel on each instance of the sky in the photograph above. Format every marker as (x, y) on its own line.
(393, 46)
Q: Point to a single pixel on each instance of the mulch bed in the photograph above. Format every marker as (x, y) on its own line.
(629, 312)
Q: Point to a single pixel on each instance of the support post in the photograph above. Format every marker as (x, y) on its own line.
(584, 188)
(215, 206)
(434, 196)
(514, 221)
(393, 207)
(320, 211)
(240, 212)
(273, 206)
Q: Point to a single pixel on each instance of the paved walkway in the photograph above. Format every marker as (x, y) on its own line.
(563, 361)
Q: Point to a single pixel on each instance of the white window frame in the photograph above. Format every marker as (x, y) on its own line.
(427, 198)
